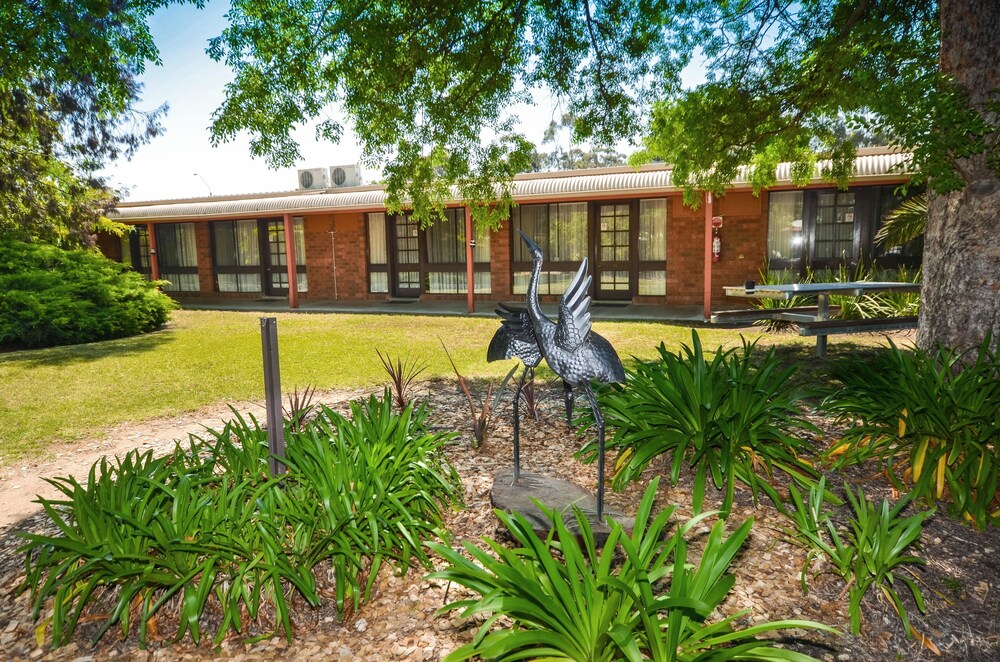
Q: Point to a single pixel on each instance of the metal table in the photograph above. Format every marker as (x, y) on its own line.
(822, 292)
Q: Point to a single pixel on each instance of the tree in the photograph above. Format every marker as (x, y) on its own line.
(68, 105)
(431, 88)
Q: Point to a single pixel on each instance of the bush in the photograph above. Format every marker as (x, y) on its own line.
(51, 296)
(729, 418)
(570, 600)
(206, 535)
(932, 419)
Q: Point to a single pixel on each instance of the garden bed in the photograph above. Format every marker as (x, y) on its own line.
(960, 580)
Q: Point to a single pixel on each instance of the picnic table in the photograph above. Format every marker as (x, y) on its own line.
(815, 320)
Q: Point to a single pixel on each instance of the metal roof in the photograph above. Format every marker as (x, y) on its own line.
(870, 164)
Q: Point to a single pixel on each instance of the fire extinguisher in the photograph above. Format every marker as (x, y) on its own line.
(716, 238)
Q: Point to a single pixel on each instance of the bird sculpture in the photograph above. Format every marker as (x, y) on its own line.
(570, 348)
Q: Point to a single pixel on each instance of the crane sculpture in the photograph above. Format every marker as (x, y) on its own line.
(569, 346)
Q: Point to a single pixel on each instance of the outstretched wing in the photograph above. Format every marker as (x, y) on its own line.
(573, 326)
(515, 338)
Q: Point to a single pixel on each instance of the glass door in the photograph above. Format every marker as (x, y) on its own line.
(405, 247)
(276, 261)
(614, 254)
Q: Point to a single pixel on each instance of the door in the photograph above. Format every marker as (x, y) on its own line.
(404, 235)
(614, 252)
(275, 262)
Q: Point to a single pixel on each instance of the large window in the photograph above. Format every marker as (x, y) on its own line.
(177, 252)
(406, 261)
(560, 230)
(822, 228)
(237, 256)
(652, 247)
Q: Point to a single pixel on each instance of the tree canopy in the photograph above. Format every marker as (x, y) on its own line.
(431, 89)
(69, 99)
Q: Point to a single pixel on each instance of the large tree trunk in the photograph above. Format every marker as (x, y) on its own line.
(960, 298)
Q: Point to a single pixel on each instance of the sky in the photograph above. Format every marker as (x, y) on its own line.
(183, 163)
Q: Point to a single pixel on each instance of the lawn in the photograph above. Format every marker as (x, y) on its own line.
(204, 357)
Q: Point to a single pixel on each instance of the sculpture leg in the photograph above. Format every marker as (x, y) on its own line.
(517, 424)
(569, 398)
(599, 420)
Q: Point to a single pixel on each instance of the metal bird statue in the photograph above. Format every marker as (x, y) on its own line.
(571, 349)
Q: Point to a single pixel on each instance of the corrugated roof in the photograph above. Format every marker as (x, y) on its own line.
(869, 164)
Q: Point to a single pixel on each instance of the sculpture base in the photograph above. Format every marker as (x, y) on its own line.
(555, 494)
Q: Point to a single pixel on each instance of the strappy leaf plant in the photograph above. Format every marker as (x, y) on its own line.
(569, 599)
(205, 534)
(732, 417)
(930, 418)
(872, 552)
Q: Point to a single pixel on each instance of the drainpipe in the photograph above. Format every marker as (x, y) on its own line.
(293, 276)
(154, 260)
(470, 243)
(333, 262)
(708, 255)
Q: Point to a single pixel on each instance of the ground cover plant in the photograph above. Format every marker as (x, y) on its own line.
(930, 419)
(730, 418)
(207, 531)
(54, 296)
(570, 599)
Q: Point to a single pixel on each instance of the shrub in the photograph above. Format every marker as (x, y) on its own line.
(730, 418)
(570, 600)
(51, 296)
(868, 554)
(931, 418)
(209, 532)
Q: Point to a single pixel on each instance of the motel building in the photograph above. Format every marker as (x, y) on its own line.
(333, 241)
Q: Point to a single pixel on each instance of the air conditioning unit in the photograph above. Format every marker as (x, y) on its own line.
(345, 175)
(313, 178)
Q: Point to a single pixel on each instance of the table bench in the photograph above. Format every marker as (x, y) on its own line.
(815, 320)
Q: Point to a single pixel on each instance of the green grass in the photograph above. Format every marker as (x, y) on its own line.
(204, 357)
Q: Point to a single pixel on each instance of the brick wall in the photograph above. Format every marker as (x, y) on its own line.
(685, 254)
(110, 246)
(744, 242)
(206, 280)
(319, 253)
(500, 278)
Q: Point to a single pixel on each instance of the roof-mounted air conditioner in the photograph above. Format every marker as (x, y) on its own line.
(313, 178)
(345, 175)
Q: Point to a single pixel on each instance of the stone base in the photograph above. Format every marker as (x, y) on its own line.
(555, 494)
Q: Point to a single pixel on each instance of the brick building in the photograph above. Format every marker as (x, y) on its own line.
(643, 243)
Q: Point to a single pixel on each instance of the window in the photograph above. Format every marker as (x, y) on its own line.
(560, 230)
(135, 249)
(409, 261)
(785, 226)
(378, 256)
(177, 252)
(834, 239)
(237, 256)
(652, 248)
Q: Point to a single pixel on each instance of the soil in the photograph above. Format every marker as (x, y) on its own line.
(960, 582)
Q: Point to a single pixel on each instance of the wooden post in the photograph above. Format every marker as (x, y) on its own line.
(470, 270)
(154, 260)
(708, 255)
(272, 394)
(293, 272)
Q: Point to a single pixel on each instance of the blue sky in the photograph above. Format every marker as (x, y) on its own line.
(193, 85)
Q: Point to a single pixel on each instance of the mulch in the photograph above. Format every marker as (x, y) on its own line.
(960, 581)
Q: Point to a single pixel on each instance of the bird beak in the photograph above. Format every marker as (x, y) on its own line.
(532, 246)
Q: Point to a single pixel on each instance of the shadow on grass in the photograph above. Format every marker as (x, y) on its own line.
(86, 352)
